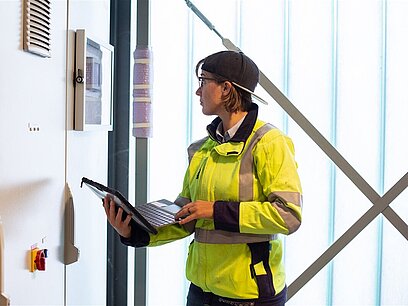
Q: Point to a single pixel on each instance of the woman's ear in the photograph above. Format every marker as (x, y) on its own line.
(226, 88)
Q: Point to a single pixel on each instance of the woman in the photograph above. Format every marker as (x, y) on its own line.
(240, 190)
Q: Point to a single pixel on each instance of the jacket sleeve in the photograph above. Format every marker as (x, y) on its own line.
(138, 238)
(173, 232)
(166, 234)
(278, 209)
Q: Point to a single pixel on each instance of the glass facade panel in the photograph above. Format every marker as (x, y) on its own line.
(167, 151)
(395, 247)
(359, 85)
(354, 270)
(394, 282)
(340, 63)
(396, 111)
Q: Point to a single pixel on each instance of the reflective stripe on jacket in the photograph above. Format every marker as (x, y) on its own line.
(254, 183)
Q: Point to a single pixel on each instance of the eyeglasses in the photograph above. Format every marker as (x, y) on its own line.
(201, 80)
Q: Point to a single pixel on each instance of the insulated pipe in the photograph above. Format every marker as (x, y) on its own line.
(142, 93)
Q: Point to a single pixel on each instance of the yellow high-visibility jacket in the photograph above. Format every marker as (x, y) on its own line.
(254, 183)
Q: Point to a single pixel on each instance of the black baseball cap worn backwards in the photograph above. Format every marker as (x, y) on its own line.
(235, 67)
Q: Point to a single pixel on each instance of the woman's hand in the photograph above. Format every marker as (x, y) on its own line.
(115, 218)
(195, 210)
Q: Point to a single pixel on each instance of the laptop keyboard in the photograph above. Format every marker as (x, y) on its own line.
(154, 215)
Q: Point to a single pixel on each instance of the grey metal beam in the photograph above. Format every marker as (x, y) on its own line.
(118, 163)
(140, 286)
(379, 206)
(141, 162)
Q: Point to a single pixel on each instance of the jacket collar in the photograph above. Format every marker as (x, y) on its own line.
(244, 130)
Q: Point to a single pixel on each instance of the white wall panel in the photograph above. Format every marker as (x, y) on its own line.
(87, 155)
(32, 164)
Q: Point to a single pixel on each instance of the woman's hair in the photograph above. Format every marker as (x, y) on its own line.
(237, 99)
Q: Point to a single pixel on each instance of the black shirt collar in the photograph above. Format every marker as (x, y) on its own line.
(244, 130)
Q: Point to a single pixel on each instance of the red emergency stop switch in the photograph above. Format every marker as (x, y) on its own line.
(38, 259)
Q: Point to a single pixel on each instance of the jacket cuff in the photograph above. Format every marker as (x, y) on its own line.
(226, 216)
(138, 238)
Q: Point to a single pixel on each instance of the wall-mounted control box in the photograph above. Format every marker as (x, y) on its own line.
(93, 81)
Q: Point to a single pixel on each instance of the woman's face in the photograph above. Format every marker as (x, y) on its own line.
(210, 93)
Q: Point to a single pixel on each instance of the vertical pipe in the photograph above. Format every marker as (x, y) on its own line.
(333, 136)
(285, 80)
(381, 179)
(141, 162)
(190, 85)
(286, 51)
(190, 94)
(238, 22)
(142, 92)
(118, 152)
(140, 286)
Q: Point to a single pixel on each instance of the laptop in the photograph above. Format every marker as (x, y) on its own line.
(148, 216)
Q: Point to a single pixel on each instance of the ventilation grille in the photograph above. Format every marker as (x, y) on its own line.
(37, 27)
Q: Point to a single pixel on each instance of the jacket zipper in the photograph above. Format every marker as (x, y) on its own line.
(198, 173)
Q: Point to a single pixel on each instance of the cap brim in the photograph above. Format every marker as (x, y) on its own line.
(252, 93)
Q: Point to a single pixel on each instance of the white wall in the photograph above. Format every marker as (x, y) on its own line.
(87, 155)
(34, 166)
